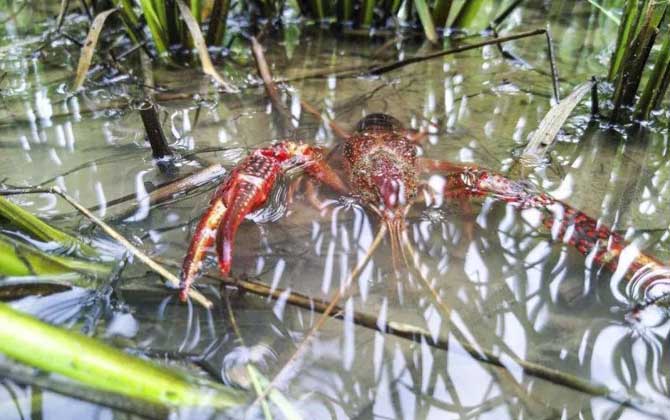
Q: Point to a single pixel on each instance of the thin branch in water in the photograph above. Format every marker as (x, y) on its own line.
(552, 63)
(595, 108)
(341, 293)
(171, 278)
(272, 90)
(64, 6)
(381, 69)
(270, 86)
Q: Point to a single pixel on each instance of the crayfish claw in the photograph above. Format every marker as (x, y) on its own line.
(203, 238)
(246, 189)
(247, 198)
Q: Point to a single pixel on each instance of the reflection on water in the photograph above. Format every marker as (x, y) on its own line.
(497, 285)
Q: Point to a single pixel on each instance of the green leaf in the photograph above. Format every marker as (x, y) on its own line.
(102, 367)
(19, 259)
(35, 227)
(426, 20)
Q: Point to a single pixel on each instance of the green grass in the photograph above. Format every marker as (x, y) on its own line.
(102, 367)
(160, 19)
(638, 33)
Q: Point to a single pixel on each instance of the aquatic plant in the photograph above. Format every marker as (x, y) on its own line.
(641, 25)
(102, 367)
(169, 29)
(23, 258)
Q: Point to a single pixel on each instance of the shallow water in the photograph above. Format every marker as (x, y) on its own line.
(504, 286)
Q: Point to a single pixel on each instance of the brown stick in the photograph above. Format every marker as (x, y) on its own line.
(273, 91)
(270, 86)
(160, 149)
(377, 70)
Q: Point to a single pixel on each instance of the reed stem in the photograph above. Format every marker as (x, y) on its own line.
(467, 14)
(655, 88)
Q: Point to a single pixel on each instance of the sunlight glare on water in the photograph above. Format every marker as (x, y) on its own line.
(452, 325)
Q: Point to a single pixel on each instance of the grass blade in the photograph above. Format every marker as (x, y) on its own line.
(155, 27)
(196, 10)
(551, 124)
(607, 13)
(130, 19)
(217, 22)
(426, 18)
(35, 227)
(467, 14)
(441, 12)
(632, 70)
(624, 36)
(64, 4)
(84, 359)
(654, 91)
(20, 259)
(367, 12)
(89, 47)
(201, 46)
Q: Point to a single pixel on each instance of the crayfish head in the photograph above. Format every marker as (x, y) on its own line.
(390, 185)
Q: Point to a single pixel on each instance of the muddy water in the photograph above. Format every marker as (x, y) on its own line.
(501, 288)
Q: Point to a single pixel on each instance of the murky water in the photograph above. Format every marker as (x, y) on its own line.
(501, 288)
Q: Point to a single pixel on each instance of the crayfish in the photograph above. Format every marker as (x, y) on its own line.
(380, 168)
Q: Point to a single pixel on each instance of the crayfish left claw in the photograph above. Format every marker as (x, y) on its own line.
(203, 238)
(248, 193)
(245, 190)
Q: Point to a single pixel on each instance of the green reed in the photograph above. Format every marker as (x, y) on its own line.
(641, 26)
(162, 22)
(104, 368)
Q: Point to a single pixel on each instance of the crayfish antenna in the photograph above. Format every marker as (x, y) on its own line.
(396, 229)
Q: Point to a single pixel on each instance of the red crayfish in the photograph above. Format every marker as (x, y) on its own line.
(382, 171)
